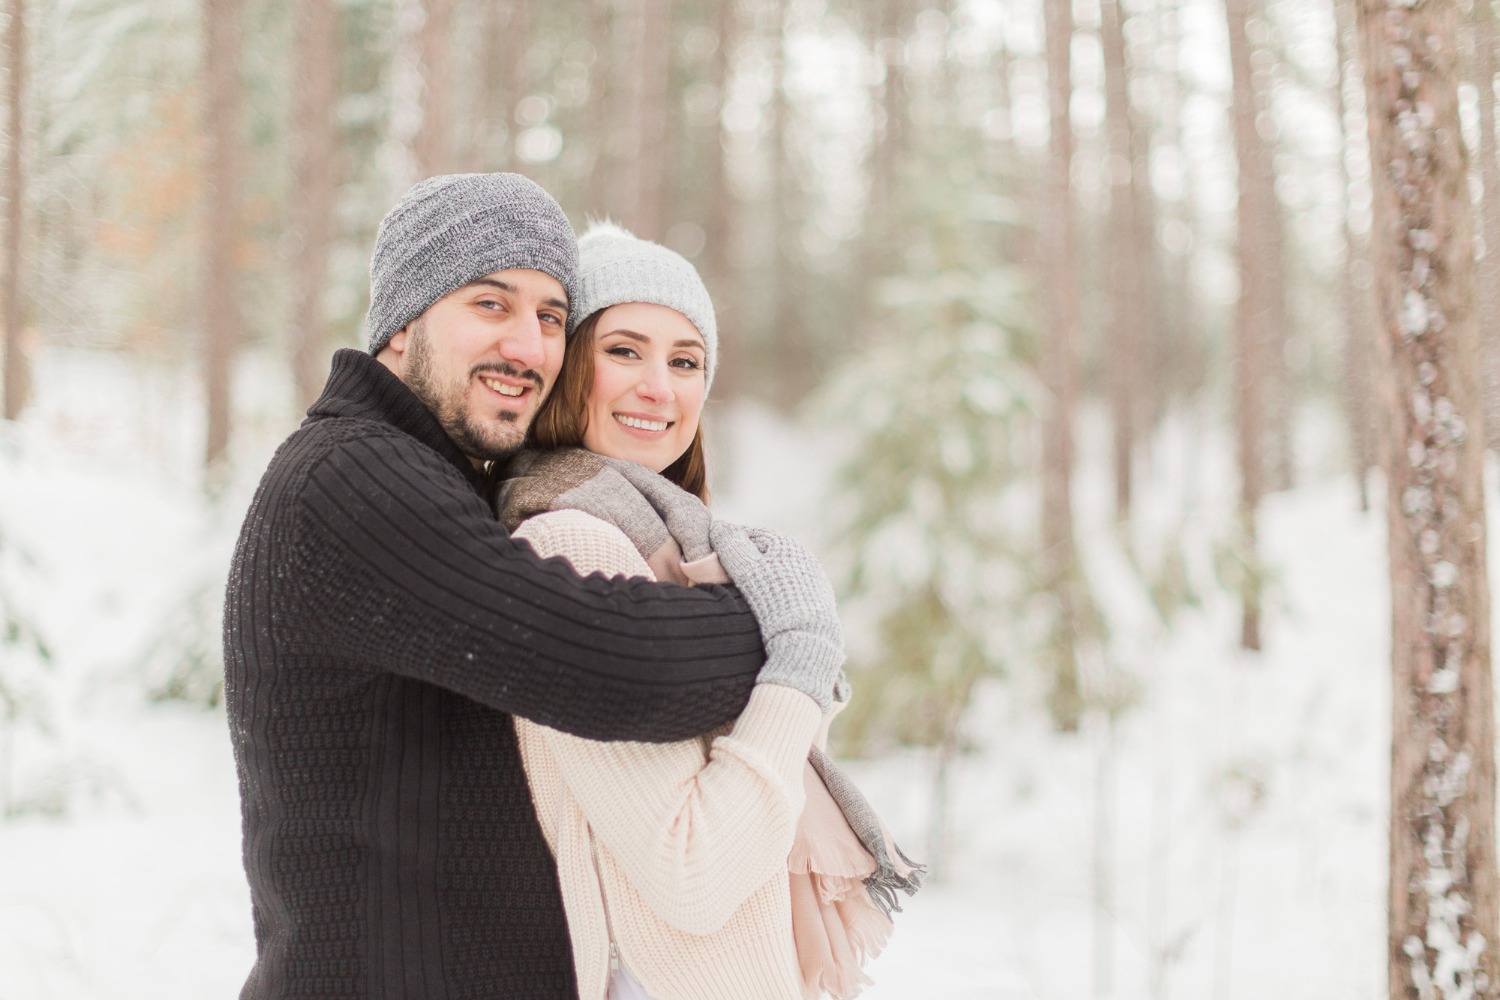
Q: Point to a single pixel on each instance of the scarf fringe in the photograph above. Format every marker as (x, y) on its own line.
(884, 884)
(854, 931)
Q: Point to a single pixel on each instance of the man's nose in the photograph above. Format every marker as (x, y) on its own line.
(522, 342)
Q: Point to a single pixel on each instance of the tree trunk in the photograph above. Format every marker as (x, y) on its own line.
(1182, 361)
(221, 314)
(655, 71)
(314, 187)
(786, 340)
(604, 107)
(1488, 277)
(1257, 315)
(1004, 100)
(1059, 255)
(503, 31)
(431, 147)
(641, 76)
(719, 220)
(895, 108)
(404, 89)
(1151, 404)
(878, 252)
(1129, 247)
(1354, 281)
(1443, 930)
(1015, 243)
(1262, 310)
(17, 370)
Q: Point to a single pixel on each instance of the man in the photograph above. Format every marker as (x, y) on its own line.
(381, 628)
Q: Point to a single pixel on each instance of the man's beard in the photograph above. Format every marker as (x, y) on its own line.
(485, 441)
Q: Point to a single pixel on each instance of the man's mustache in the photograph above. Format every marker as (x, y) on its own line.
(511, 371)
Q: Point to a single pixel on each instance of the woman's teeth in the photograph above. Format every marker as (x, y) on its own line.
(644, 425)
(502, 388)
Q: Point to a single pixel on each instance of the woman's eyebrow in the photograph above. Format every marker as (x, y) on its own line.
(641, 338)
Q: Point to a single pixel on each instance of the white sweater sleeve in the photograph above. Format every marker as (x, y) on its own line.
(694, 835)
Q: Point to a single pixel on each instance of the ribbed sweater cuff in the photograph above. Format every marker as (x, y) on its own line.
(780, 722)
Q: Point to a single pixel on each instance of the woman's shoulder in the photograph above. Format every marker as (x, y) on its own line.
(566, 519)
(590, 545)
(534, 480)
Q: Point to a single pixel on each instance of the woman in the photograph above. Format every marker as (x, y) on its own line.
(674, 860)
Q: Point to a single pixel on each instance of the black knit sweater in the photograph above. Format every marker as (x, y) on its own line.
(380, 628)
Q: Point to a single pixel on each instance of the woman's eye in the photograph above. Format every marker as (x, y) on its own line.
(690, 364)
(621, 351)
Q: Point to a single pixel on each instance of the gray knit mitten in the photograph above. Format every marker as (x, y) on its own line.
(793, 603)
(686, 517)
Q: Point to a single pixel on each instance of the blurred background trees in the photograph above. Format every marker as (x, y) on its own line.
(1022, 262)
(204, 178)
(768, 139)
(1173, 195)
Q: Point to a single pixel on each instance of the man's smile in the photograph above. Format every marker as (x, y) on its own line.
(503, 388)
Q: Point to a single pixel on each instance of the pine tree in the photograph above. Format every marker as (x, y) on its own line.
(939, 543)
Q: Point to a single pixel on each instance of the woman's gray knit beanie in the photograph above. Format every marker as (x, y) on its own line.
(615, 266)
(449, 230)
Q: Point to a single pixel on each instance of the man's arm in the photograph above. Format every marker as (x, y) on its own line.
(409, 572)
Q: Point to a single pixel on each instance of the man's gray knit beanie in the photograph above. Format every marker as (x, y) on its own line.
(615, 266)
(449, 230)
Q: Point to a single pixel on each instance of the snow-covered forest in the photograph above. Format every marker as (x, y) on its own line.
(1078, 340)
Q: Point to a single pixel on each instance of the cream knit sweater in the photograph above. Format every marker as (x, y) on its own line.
(677, 851)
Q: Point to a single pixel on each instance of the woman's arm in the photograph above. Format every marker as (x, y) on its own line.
(694, 837)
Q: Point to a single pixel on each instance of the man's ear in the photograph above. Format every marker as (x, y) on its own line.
(393, 354)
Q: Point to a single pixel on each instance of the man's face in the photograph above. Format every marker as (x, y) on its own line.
(484, 357)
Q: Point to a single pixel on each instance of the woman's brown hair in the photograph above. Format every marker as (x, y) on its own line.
(563, 417)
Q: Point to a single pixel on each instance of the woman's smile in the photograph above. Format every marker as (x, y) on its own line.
(645, 425)
(649, 383)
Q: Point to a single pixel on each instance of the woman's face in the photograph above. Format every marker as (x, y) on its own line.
(648, 385)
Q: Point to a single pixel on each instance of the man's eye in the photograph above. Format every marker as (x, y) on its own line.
(554, 319)
(491, 304)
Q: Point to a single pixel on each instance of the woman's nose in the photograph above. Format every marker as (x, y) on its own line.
(655, 386)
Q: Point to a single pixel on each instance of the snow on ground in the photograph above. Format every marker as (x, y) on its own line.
(1244, 795)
